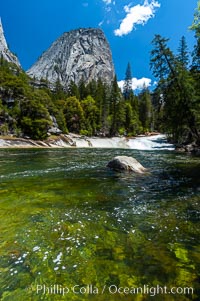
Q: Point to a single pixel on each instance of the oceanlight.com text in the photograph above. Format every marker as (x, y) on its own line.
(56, 289)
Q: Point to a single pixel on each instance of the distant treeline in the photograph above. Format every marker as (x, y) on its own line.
(93, 109)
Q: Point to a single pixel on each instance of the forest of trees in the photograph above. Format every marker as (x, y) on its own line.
(27, 107)
(93, 109)
(176, 98)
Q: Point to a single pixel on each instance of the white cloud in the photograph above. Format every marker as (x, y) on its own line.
(138, 14)
(137, 83)
(107, 1)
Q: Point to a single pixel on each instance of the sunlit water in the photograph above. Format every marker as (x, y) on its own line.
(158, 142)
(67, 220)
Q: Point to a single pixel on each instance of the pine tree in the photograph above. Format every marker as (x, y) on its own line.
(117, 112)
(92, 88)
(102, 102)
(196, 28)
(162, 59)
(145, 109)
(183, 56)
(59, 91)
(90, 115)
(83, 91)
(74, 115)
(127, 87)
(73, 90)
(177, 92)
(195, 68)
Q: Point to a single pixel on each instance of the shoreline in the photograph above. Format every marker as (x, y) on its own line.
(70, 141)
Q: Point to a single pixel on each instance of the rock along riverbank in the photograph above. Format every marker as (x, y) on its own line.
(150, 142)
(64, 141)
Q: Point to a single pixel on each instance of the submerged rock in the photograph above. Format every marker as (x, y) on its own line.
(124, 163)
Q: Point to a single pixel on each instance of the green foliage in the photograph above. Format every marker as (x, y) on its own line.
(35, 119)
(102, 98)
(127, 88)
(196, 22)
(30, 108)
(74, 114)
(145, 110)
(183, 56)
(73, 90)
(117, 108)
(60, 118)
(176, 97)
(90, 114)
(4, 129)
(162, 58)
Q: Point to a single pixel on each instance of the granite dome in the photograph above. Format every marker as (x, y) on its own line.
(82, 54)
(4, 50)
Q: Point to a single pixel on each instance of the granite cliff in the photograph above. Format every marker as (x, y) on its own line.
(82, 54)
(5, 53)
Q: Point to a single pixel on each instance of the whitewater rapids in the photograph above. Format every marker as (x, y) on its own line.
(157, 142)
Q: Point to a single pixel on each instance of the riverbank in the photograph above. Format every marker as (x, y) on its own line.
(192, 148)
(61, 141)
(64, 141)
(150, 141)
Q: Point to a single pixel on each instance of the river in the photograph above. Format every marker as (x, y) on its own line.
(71, 229)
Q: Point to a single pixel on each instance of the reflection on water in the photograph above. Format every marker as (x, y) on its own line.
(68, 220)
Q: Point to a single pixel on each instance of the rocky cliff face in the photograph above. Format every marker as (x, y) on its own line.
(82, 54)
(4, 50)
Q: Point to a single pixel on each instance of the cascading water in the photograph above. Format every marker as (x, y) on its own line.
(157, 142)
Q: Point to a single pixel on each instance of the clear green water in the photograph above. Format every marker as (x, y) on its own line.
(67, 220)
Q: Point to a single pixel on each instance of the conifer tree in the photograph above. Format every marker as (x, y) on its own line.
(59, 91)
(117, 112)
(196, 28)
(73, 90)
(183, 56)
(102, 102)
(74, 115)
(195, 68)
(127, 87)
(90, 115)
(162, 59)
(177, 92)
(145, 109)
(83, 91)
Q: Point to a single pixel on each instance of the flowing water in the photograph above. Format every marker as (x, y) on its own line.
(71, 229)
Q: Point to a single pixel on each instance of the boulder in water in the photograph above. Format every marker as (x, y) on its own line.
(124, 163)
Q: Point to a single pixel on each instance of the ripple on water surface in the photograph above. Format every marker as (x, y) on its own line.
(66, 218)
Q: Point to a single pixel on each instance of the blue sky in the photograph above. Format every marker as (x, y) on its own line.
(30, 26)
